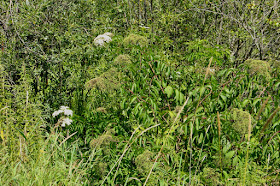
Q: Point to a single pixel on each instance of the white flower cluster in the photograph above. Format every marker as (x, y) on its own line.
(67, 112)
(102, 39)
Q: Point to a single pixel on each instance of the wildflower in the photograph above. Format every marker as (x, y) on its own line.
(107, 81)
(109, 34)
(63, 109)
(240, 120)
(101, 109)
(56, 113)
(96, 82)
(102, 39)
(63, 119)
(66, 121)
(103, 141)
(144, 162)
(68, 112)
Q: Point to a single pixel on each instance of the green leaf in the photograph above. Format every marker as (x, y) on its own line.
(169, 91)
(224, 98)
(235, 161)
(230, 154)
(21, 133)
(133, 99)
(245, 102)
(202, 90)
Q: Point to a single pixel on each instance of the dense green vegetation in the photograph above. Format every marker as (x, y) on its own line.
(139, 92)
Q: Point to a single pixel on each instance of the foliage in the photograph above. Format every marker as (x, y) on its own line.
(181, 92)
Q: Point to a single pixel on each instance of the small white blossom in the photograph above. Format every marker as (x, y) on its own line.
(101, 39)
(66, 121)
(178, 73)
(68, 112)
(99, 42)
(56, 113)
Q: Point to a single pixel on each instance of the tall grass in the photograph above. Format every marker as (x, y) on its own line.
(45, 162)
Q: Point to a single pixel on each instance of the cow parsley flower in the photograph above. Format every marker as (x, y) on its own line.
(56, 113)
(68, 112)
(63, 119)
(66, 121)
(102, 39)
(63, 109)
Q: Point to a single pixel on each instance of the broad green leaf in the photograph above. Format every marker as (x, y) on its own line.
(230, 154)
(235, 161)
(169, 91)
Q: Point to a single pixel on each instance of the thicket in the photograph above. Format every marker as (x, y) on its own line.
(181, 92)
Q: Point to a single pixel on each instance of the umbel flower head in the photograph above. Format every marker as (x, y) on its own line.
(134, 39)
(64, 120)
(144, 162)
(108, 81)
(63, 109)
(122, 60)
(258, 67)
(102, 39)
(240, 120)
